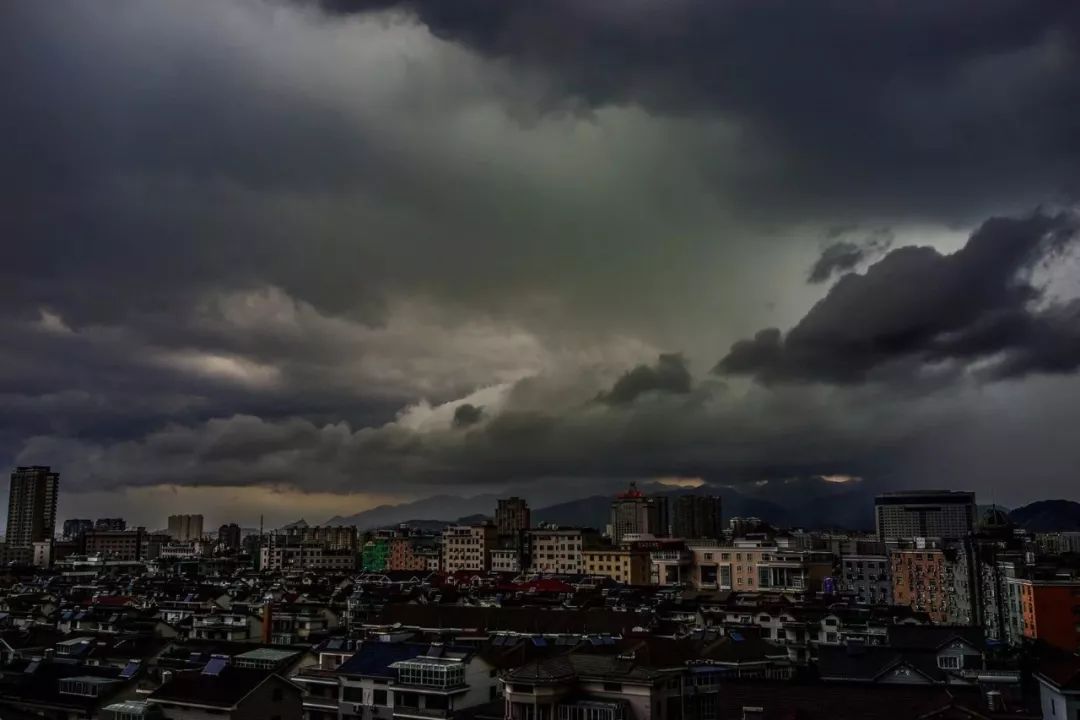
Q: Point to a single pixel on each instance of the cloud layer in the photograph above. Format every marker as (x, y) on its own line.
(328, 248)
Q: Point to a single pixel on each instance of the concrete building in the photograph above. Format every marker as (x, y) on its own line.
(559, 550)
(623, 565)
(924, 513)
(1050, 611)
(32, 505)
(111, 524)
(137, 544)
(697, 517)
(185, 527)
(333, 537)
(512, 515)
(298, 557)
(229, 536)
(413, 553)
(750, 566)
(922, 579)
(74, 528)
(633, 512)
(467, 547)
(867, 578)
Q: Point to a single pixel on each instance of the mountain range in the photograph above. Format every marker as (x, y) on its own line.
(803, 502)
(1048, 516)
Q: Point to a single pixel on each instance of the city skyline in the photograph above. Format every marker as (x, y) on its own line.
(304, 258)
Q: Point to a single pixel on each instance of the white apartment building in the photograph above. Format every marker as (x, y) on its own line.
(467, 548)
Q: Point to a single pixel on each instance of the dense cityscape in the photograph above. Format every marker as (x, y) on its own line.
(671, 611)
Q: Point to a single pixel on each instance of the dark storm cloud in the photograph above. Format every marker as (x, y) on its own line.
(879, 103)
(917, 304)
(467, 414)
(844, 255)
(669, 375)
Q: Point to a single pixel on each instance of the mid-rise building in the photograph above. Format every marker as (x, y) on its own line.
(924, 513)
(111, 524)
(229, 536)
(631, 566)
(301, 557)
(334, 537)
(185, 527)
(559, 550)
(867, 578)
(924, 578)
(76, 527)
(413, 553)
(32, 505)
(375, 556)
(697, 517)
(512, 515)
(751, 566)
(467, 547)
(1049, 611)
(137, 544)
(633, 512)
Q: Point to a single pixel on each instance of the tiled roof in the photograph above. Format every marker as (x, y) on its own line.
(224, 690)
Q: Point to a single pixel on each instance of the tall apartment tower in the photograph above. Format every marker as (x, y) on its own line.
(697, 516)
(635, 512)
(924, 513)
(32, 505)
(185, 527)
(512, 515)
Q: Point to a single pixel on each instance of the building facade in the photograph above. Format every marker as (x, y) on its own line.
(623, 565)
(867, 578)
(185, 527)
(111, 524)
(633, 512)
(925, 513)
(137, 544)
(512, 515)
(467, 547)
(333, 537)
(74, 528)
(559, 550)
(32, 505)
(697, 517)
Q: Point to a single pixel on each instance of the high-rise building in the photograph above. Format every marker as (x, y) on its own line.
(697, 516)
(111, 524)
(76, 527)
(511, 515)
(229, 536)
(924, 513)
(633, 512)
(32, 505)
(185, 527)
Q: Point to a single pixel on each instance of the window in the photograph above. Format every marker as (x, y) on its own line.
(948, 662)
(378, 697)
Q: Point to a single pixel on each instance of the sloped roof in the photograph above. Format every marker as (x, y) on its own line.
(224, 690)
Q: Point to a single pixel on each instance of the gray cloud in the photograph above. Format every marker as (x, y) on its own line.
(260, 243)
(977, 303)
(845, 255)
(884, 105)
(669, 375)
(467, 414)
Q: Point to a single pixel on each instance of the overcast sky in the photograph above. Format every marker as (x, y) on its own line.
(301, 258)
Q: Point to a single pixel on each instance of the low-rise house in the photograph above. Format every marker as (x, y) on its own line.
(221, 690)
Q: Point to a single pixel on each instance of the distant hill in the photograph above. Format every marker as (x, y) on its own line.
(301, 523)
(804, 502)
(447, 508)
(1048, 516)
(593, 511)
